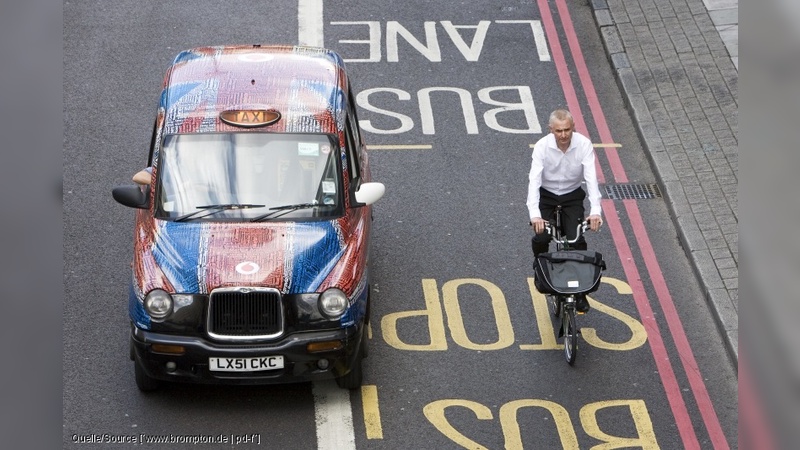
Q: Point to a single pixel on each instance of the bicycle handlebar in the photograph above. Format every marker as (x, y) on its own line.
(579, 230)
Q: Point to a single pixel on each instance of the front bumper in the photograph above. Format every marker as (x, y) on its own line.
(192, 366)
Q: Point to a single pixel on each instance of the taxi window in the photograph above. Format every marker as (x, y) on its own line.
(353, 139)
(248, 175)
(352, 152)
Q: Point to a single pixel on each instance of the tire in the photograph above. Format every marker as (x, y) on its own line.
(144, 382)
(352, 380)
(570, 336)
(364, 344)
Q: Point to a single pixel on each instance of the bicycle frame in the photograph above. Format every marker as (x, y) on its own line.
(564, 305)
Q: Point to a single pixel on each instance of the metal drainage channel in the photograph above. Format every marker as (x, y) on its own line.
(631, 191)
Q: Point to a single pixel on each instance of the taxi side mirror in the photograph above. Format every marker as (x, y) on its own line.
(132, 196)
(369, 193)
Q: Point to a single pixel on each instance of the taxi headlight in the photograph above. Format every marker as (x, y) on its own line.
(333, 303)
(158, 304)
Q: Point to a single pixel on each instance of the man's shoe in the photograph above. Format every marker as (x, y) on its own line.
(581, 304)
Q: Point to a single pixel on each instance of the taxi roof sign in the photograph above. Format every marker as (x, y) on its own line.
(250, 118)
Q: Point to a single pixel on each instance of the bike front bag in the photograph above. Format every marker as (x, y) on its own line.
(568, 272)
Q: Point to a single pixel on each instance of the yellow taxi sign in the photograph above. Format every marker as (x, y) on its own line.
(249, 117)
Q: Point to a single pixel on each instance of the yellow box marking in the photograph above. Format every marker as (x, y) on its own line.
(372, 413)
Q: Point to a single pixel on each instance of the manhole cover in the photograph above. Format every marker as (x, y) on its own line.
(631, 191)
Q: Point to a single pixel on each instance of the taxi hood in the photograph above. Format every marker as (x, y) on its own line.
(293, 257)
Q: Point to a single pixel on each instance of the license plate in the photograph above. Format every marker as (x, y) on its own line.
(245, 364)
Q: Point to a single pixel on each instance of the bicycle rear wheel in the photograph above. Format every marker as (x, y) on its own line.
(570, 335)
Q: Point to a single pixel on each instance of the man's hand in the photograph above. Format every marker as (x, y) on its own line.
(538, 224)
(595, 222)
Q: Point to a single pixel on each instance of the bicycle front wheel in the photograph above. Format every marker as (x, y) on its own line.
(555, 304)
(570, 335)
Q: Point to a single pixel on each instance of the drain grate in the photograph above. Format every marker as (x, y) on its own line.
(631, 191)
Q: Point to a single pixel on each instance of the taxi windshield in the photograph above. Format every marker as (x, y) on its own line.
(248, 176)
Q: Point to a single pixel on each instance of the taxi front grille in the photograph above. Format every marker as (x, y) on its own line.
(245, 314)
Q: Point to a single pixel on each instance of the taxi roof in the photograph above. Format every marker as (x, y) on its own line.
(306, 85)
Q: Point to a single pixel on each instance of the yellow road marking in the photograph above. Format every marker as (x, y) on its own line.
(372, 413)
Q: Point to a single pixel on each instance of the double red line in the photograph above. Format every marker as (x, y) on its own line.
(665, 369)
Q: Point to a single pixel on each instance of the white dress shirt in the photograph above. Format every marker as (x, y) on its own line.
(562, 172)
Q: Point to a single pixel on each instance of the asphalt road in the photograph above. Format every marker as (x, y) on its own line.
(459, 340)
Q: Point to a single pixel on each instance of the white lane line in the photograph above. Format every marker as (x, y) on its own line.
(334, 417)
(332, 410)
(612, 145)
(400, 147)
(309, 23)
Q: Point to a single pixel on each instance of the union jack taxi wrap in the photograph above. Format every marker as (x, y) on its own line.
(237, 292)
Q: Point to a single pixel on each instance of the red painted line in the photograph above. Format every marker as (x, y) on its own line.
(753, 429)
(566, 81)
(660, 355)
(704, 403)
(688, 361)
(561, 67)
(591, 95)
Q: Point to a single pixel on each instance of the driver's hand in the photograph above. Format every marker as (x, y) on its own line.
(595, 222)
(142, 177)
(538, 225)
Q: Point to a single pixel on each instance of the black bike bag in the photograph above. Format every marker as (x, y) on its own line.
(568, 272)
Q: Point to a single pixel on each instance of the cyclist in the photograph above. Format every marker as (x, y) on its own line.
(561, 161)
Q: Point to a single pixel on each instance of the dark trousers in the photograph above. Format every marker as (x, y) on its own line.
(571, 215)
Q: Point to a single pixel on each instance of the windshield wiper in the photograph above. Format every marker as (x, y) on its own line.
(213, 209)
(278, 211)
